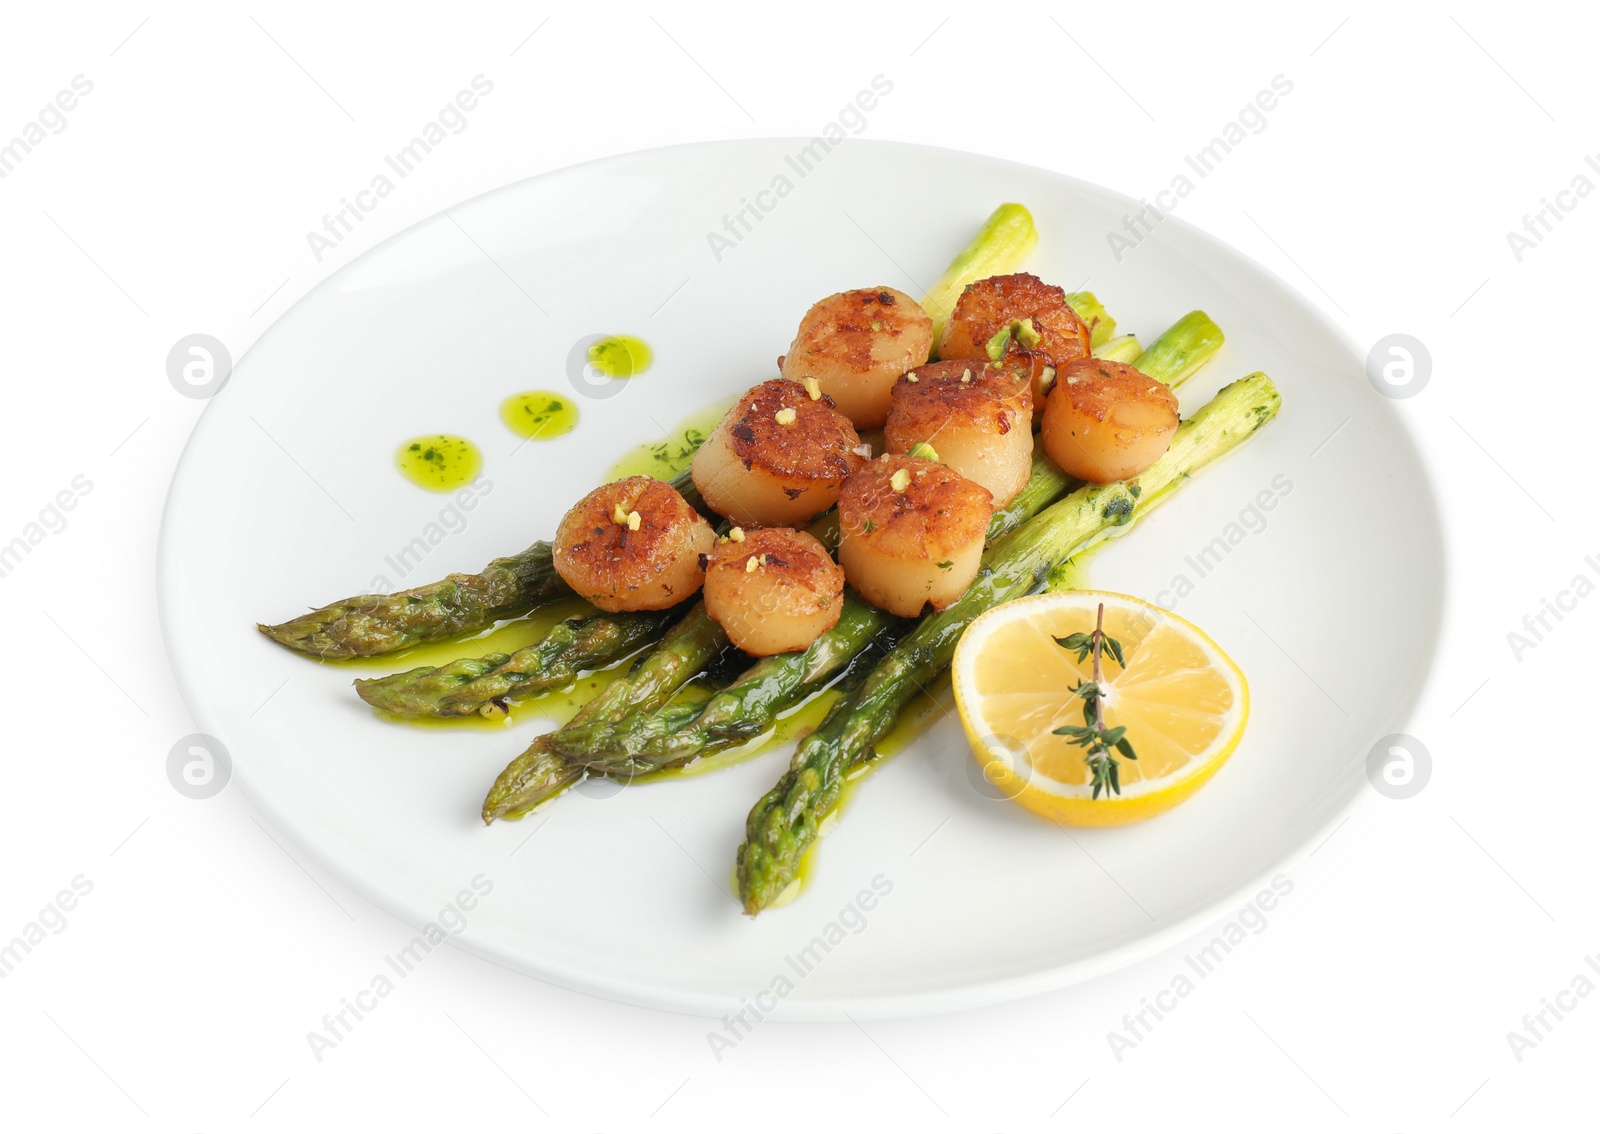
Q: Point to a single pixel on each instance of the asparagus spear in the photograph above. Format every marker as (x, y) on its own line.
(1000, 245)
(647, 742)
(1185, 347)
(482, 685)
(1122, 348)
(785, 822)
(369, 625)
(1101, 325)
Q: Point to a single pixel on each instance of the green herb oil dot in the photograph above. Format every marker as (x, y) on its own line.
(668, 457)
(620, 356)
(439, 462)
(538, 414)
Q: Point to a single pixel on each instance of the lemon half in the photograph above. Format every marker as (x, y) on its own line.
(1182, 700)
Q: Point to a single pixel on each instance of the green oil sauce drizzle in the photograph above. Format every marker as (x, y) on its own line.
(620, 356)
(439, 462)
(667, 458)
(539, 415)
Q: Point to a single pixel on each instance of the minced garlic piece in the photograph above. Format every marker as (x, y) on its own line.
(784, 416)
(900, 481)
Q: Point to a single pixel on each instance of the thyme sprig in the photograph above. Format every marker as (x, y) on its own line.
(1093, 734)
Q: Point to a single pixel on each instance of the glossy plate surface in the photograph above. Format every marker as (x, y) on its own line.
(927, 895)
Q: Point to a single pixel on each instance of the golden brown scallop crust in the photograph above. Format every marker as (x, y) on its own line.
(817, 445)
(1094, 387)
(618, 567)
(808, 579)
(936, 510)
(968, 393)
(864, 329)
(991, 305)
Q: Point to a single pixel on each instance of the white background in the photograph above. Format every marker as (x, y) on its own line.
(177, 200)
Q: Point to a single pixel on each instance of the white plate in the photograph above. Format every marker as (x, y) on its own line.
(286, 496)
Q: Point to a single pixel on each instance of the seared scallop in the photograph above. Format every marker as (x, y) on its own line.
(974, 416)
(1020, 317)
(773, 589)
(911, 532)
(1106, 421)
(633, 544)
(855, 344)
(778, 456)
